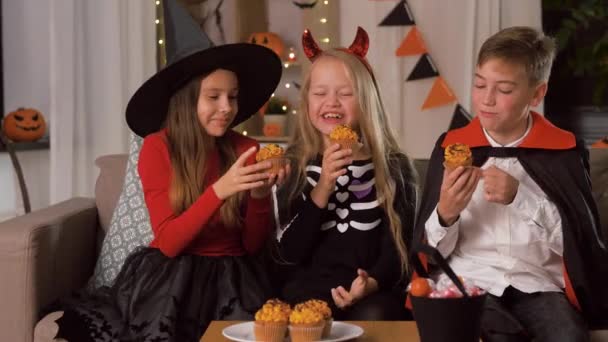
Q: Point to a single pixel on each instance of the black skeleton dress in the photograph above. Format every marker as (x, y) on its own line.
(324, 247)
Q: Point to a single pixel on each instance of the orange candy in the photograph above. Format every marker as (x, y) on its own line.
(420, 287)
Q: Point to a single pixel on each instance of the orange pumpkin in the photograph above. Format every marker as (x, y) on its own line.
(602, 143)
(420, 287)
(273, 130)
(24, 124)
(268, 39)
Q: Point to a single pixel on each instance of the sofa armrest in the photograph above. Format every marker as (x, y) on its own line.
(43, 255)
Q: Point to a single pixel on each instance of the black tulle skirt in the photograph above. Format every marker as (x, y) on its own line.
(156, 298)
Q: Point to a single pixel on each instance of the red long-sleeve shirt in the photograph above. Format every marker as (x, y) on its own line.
(198, 229)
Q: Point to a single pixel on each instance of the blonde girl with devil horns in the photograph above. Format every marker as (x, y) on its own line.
(209, 202)
(346, 215)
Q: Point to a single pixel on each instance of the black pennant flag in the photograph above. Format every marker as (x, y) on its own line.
(425, 68)
(460, 118)
(305, 5)
(401, 15)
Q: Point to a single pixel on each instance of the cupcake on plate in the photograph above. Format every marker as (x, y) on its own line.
(345, 136)
(305, 325)
(456, 155)
(321, 307)
(274, 154)
(271, 321)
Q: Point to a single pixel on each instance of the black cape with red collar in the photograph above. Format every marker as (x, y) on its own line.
(559, 165)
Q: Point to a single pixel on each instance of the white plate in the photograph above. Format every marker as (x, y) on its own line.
(340, 331)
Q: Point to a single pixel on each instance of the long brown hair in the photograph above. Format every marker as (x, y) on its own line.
(189, 147)
(376, 134)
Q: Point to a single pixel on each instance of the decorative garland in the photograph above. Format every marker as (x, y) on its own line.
(305, 5)
(413, 44)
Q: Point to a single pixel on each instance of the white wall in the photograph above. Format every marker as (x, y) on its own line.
(447, 28)
(453, 32)
(25, 39)
(285, 19)
(78, 62)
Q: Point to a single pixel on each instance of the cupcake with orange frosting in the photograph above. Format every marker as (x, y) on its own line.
(321, 307)
(305, 324)
(345, 136)
(271, 321)
(456, 155)
(274, 154)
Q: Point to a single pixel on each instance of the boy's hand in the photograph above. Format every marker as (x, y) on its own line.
(332, 167)
(457, 188)
(273, 179)
(499, 186)
(362, 286)
(240, 177)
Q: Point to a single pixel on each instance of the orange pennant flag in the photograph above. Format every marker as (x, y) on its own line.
(412, 44)
(440, 95)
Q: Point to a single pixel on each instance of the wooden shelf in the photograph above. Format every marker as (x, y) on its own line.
(289, 65)
(42, 144)
(266, 139)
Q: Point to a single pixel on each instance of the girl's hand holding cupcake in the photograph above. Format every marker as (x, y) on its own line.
(273, 178)
(333, 166)
(242, 178)
(279, 169)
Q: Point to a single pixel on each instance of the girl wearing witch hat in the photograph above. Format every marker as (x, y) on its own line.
(346, 214)
(208, 201)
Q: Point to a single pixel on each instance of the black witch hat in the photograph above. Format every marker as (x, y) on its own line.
(190, 53)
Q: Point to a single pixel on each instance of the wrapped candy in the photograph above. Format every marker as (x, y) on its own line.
(443, 288)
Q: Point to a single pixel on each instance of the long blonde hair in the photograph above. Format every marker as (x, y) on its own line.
(376, 135)
(189, 146)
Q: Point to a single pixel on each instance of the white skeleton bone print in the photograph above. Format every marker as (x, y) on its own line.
(353, 203)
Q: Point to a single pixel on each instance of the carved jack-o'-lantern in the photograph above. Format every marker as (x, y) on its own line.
(602, 143)
(269, 40)
(24, 124)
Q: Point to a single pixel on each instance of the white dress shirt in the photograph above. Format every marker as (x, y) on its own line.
(496, 245)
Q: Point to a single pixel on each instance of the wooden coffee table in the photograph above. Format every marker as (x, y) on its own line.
(374, 331)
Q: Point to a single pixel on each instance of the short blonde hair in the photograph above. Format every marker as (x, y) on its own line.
(524, 46)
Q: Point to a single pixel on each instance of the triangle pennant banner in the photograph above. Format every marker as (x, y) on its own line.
(412, 44)
(401, 15)
(439, 95)
(425, 68)
(460, 118)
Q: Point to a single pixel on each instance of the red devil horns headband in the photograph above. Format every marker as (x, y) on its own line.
(358, 47)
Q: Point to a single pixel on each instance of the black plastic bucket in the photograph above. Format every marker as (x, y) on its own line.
(446, 319)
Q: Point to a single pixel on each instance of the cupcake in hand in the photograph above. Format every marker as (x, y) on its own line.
(271, 321)
(345, 136)
(275, 155)
(456, 155)
(321, 307)
(305, 325)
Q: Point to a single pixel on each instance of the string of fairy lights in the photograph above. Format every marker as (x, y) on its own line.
(291, 56)
(320, 24)
(161, 56)
(318, 21)
(324, 20)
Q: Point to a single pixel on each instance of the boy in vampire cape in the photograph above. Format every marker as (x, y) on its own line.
(521, 222)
